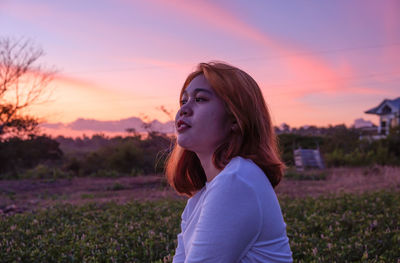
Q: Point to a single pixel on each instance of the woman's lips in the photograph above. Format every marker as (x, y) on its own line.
(182, 126)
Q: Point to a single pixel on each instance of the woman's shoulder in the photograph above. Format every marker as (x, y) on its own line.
(240, 164)
(245, 169)
(241, 171)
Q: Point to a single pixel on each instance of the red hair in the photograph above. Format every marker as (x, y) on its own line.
(254, 139)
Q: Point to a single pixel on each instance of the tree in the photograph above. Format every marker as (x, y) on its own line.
(23, 83)
(17, 154)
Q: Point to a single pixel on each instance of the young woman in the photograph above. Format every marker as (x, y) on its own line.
(226, 160)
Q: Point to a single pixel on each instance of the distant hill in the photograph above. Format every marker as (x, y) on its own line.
(115, 126)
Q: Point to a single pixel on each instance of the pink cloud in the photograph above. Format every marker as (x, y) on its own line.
(302, 89)
(304, 67)
(157, 63)
(389, 12)
(76, 25)
(387, 16)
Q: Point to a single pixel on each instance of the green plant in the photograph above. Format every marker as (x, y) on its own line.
(312, 175)
(343, 228)
(105, 173)
(116, 187)
(42, 171)
(87, 196)
(134, 232)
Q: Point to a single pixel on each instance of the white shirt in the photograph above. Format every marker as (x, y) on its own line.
(235, 217)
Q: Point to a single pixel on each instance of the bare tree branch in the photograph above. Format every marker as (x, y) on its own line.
(23, 83)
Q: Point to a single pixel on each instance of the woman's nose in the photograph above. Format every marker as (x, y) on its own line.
(185, 109)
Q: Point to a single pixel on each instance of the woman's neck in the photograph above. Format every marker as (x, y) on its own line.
(209, 168)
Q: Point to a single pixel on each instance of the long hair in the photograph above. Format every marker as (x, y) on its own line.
(254, 138)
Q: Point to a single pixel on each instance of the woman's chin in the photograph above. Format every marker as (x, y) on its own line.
(189, 146)
(183, 143)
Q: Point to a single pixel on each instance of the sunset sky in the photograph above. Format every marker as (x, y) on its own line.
(317, 62)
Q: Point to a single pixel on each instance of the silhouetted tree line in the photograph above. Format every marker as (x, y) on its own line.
(132, 155)
(18, 154)
(96, 156)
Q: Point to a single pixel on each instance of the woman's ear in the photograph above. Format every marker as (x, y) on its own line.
(235, 126)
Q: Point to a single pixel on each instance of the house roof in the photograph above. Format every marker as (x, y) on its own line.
(393, 104)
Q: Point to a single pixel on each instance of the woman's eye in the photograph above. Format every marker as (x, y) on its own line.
(200, 99)
(183, 102)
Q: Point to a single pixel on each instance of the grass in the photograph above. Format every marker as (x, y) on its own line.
(87, 196)
(347, 228)
(313, 175)
(116, 187)
(326, 229)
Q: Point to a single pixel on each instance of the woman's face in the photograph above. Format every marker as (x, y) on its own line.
(202, 122)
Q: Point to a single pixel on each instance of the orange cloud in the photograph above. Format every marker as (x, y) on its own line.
(74, 82)
(74, 97)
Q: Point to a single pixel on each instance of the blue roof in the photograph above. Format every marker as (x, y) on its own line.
(394, 103)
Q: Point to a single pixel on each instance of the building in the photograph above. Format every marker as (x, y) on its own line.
(389, 115)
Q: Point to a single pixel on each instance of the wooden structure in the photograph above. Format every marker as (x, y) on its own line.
(308, 158)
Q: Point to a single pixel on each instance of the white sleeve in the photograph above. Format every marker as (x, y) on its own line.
(180, 249)
(229, 222)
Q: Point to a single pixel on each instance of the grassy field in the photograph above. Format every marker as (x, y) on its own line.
(32, 194)
(344, 228)
(340, 215)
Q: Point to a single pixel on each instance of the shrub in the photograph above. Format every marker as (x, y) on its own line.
(116, 187)
(311, 175)
(42, 171)
(17, 154)
(126, 156)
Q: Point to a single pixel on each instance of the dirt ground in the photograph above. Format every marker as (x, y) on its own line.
(18, 196)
